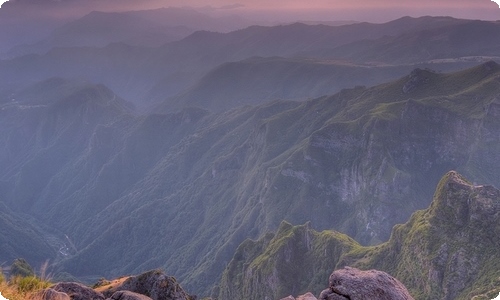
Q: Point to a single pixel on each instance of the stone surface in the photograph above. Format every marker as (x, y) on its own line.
(51, 294)
(353, 284)
(128, 295)
(77, 291)
(306, 296)
(154, 284)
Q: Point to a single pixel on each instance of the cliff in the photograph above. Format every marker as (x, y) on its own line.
(447, 251)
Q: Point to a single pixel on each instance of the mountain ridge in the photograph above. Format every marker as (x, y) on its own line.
(194, 184)
(427, 253)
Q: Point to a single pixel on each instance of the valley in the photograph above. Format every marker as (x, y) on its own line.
(199, 145)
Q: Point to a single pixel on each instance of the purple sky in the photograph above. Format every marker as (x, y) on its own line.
(284, 10)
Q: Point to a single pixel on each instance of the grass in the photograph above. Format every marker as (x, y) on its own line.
(25, 287)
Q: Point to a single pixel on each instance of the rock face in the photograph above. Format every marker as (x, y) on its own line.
(448, 251)
(51, 294)
(77, 291)
(153, 284)
(353, 284)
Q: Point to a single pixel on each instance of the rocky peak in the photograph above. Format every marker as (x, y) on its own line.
(459, 202)
(416, 79)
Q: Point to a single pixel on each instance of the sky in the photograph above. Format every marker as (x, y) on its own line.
(284, 10)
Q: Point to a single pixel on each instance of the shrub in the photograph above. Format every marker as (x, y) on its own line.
(31, 284)
(20, 267)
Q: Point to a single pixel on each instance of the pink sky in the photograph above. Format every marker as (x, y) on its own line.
(282, 10)
(362, 10)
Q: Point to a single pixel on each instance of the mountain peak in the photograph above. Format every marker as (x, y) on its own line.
(457, 201)
(491, 66)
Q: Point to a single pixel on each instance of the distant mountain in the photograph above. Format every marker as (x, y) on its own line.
(470, 39)
(147, 76)
(99, 29)
(258, 80)
(148, 28)
(447, 251)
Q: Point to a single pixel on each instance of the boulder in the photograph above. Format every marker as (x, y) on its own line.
(50, 294)
(154, 284)
(306, 296)
(128, 295)
(77, 291)
(353, 284)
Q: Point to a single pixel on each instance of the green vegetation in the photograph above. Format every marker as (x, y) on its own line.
(20, 267)
(435, 254)
(23, 283)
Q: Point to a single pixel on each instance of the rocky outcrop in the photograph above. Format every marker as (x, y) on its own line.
(448, 252)
(153, 284)
(353, 284)
(77, 291)
(51, 294)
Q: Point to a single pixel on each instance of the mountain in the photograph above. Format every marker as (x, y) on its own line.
(147, 28)
(442, 252)
(149, 76)
(258, 80)
(474, 38)
(99, 29)
(183, 190)
(19, 237)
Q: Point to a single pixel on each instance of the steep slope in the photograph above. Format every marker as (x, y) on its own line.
(19, 238)
(359, 162)
(448, 251)
(42, 135)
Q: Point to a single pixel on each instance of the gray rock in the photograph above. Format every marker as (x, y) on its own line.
(128, 295)
(51, 294)
(154, 284)
(353, 284)
(77, 291)
(306, 296)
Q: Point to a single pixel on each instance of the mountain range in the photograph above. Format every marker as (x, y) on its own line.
(151, 76)
(121, 155)
(442, 252)
(183, 190)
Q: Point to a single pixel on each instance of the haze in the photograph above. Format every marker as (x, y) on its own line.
(289, 10)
